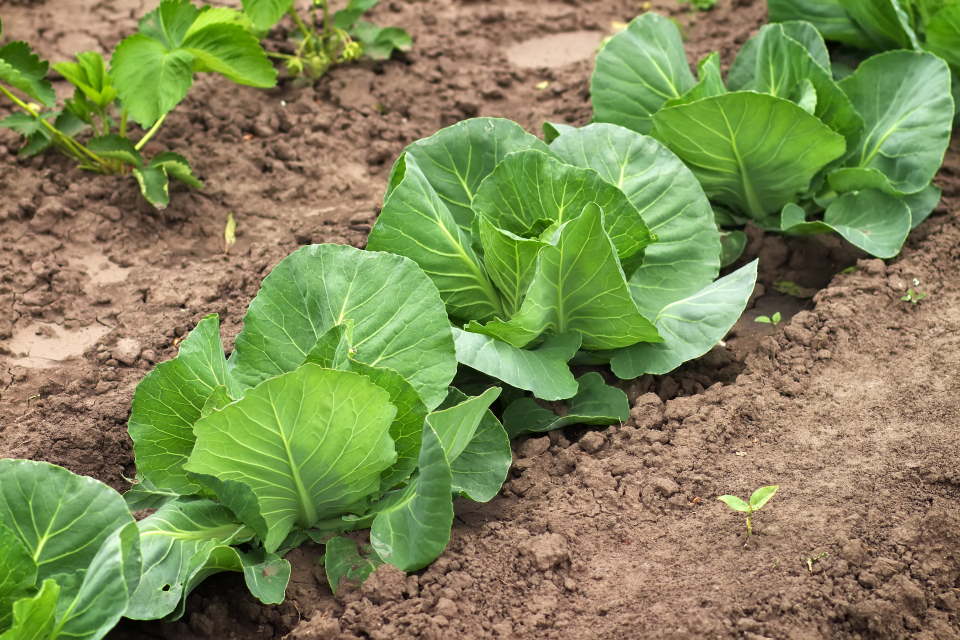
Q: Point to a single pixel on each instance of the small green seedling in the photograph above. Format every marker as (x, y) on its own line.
(914, 296)
(700, 5)
(759, 498)
(774, 319)
(325, 37)
(812, 560)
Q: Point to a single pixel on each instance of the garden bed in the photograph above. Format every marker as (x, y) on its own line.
(851, 405)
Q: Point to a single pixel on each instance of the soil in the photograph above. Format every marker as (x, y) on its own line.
(851, 405)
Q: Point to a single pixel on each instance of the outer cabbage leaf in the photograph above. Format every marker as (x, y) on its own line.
(320, 286)
(637, 71)
(542, 370)
(751, 152)
(169, 400)
(183, 543)
(884, 23)
(828, 16)
(872, 220)
(775, 63)
(84, 543)
(905, 100)
(596, 403)
(690, 327)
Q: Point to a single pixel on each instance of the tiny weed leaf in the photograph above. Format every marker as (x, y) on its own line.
(735, 503)
(761, 496)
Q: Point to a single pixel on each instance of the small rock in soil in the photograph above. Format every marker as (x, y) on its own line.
(592, 442)
(533, 447)
(127, 351)
(647, 411)
(665, 485)
(385, 584)
(546, 551)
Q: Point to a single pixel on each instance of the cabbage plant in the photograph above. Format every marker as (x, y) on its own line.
(600, 245)
(778, 142)
(878, 25)
(69, 554)
(332, 414)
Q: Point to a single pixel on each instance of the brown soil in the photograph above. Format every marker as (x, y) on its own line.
(851, 405)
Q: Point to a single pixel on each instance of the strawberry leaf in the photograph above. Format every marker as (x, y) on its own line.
(22, 69)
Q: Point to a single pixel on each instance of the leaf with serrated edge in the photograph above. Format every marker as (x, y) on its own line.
(22, 69)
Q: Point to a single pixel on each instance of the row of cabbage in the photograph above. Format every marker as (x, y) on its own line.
(369, 388)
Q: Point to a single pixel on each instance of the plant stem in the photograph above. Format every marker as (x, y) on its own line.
(123, 123)
(149, 134)
(282, 56)
(71, 146)
(304, 29)
(750, 525)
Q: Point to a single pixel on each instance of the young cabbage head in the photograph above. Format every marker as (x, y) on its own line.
(759, 498)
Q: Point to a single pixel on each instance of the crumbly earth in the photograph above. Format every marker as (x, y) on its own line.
(852, 405)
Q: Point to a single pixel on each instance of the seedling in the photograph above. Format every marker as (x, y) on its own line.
(149, 74)
(700, 5)
(774, 319)
(913, 296)
(812, 560)
(759, 498)
(327, 38)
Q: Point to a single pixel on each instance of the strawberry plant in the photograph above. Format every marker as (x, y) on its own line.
(325, 37)
(778, 142)
(599, 246)
(149, 74)
(332, 414)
